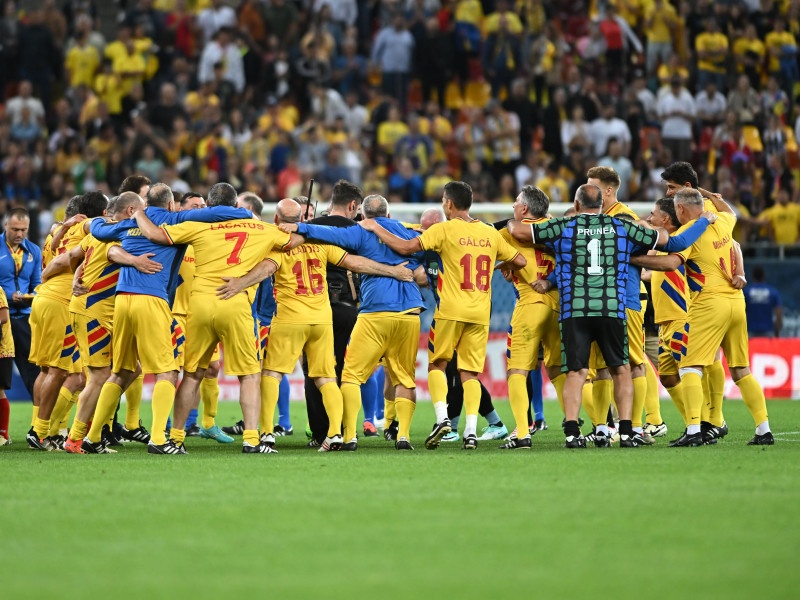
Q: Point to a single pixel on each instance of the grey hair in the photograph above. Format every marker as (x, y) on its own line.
(535, 199)
(589, 196)
(375, 205)
(688, 197)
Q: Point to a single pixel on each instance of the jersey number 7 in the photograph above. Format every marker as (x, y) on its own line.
(239, 239)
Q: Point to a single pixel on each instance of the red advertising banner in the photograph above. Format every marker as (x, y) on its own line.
(774, 362)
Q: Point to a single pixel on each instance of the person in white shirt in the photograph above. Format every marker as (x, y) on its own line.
(342, 11)
(17, 104)
(575, 129)
(621, 164)
(214, 18)
(677, 111)
(326, 103)
(710, 105)
(222, 50)
(606, 127)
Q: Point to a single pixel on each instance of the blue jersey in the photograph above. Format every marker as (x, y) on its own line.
(164, 283)
(761, 299)
(377, 293)
(265, 306)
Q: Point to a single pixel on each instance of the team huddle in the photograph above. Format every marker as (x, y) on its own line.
(142, 285)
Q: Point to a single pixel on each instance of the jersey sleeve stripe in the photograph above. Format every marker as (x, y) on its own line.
(167, 235)
(341, 260)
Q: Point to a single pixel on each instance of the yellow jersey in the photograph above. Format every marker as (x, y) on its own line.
(301, 284)
(227, 249)
(711, 42)
(100, 275)
(619, 208)
(467, 252)
(785, 221)
(82, 63)
(670, 291)
(185, 278)
(711, 260)
(60, 287)
(47, 251)
(6, 339)
(742, 46)
(541, 262)
(776, 41)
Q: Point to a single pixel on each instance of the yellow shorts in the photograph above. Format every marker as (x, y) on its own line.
(672, 338)
(94, 340)
(212, 320)
(180, 333)
(468, 339)
(144, 331)
(532, 325)
(53, 342)
(288, 341)
(716, 321)
(635, 319)
(383, 334)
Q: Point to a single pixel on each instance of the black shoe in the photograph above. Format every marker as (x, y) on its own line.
(601, 440)
(93, 447)
(32, 439)
(762, 440)
(390, 433)
(109, 438)
(541, 425)
(517, 444)
(709, 432)
(261, 448)
(237, 429)
(470, 442)
(634, 440)
(268, 439)
(313, 444)
(43, 444)
(140, 434)
(403, 444)
(169, 447)
(564, 423)
(350, 446)
(687, 441)
(280, 431)
(58, 441)
(575, 441)
(437, 433)
(193, 431)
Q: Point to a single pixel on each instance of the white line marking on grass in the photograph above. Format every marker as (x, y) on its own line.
(786, 433)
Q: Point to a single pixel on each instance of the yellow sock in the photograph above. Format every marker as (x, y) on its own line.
(163, 399)
(518, 399)
(63, 404)
(676, 393)
(389, 412)
(437, 387)
(692, 385)
(106, 404)
(133, 401)
(716, 388)
(587, 400)
(753, 397)
(558, 383)
(639, 392)
(472, 397)
(41, 427)
(652, 404)
(250, 436)
(76, 396)
(405, 412)
(34, 414)
(270, 389)
(351, 397)
(602, 396)
(209, 394)
(78, 430)
(334, 406)
(177, 435)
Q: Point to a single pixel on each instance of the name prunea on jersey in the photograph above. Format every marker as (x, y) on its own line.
(596, 230)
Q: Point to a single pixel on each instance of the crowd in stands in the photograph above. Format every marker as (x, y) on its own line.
(401, 96)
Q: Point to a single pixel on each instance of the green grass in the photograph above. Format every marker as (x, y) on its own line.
(719, 522)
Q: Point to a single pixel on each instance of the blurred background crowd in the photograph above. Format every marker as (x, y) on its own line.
(401, 96)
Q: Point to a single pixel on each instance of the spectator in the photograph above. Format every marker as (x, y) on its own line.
(677, 111)
(763, 307)
(225, 52)
(434, 60)
(82, 60)
(781, 47)
(659, 20)
(356, 116)
(519, 103)
(39, 57)
(530, 171)
(621, 164)
(774, 137)
(777, 177)
(553, 184)
(415, 145)
(168, 109)
(25, 100)
(349, 69)
(20, 275)
(749, 52)
(502, 129)
(27, 130)
(575, 130)
(506, 190)
(774, 99)
(434, 184)
(393, 52)
(608, 125)
(782, 219)
(333, 169)
(326, 103)
(553, 116)
(215, 17)
(501, 57)
(471, 137)
(744, 101)
(405, 182)
(482, 184)
(281, 17)
(712, 48)
(620, 40)
(391, 131)
(149, 164)
(710, 105)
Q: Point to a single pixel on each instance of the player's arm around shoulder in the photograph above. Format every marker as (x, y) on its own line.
(399, 245)
(150, 230)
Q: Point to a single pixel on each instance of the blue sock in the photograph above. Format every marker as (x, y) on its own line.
(454, 422)
(493, 418)
(380, 378)
(169, 422)
(191, 419)
(537, 399)
(283, 404)
(369, 398)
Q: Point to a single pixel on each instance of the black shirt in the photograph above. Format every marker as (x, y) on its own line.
(338, 284)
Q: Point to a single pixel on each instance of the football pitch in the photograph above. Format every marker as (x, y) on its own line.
(715, 522)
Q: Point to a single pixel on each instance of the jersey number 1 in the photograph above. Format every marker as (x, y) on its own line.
(594, 258)
(483, 273)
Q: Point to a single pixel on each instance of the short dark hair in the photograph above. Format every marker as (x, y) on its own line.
(667, 205)
(133, 183)
(255, 203)
(681, 172)
(459, 193)
(345, 192)
(535, 199)
(74, 207)
(18, 213)
(93, 204)
(188, 196)
(222, 194)
(589, 196)
(159, 195)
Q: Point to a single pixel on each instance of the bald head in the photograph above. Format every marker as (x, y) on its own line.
(431, 217)
(287, 211)
(125, 205)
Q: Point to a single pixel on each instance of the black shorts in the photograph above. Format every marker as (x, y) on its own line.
(6, 366)
(578, 333)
